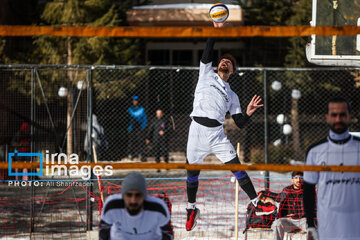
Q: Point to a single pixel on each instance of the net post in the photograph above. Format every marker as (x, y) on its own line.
(98, 177)
(266, 127)
(237, 200)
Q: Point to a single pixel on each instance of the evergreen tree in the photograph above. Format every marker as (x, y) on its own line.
(80, 51)
(268, 12)
(296, 56)
(267, 51)
(3, 57)
(95, 50)
(17, 12)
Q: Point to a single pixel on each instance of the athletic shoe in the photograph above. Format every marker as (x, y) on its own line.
(192, 215)
(264, 208)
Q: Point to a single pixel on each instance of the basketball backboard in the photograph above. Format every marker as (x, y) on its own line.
(335, 50)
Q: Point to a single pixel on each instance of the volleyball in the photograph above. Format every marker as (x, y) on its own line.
(219, 12)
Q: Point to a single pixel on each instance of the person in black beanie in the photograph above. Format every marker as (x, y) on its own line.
(133, 215)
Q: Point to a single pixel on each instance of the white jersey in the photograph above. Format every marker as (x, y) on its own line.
(213, 96)
(338, 193)
(144, 226)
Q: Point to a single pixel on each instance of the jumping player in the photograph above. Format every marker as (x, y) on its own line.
(338, 193)
(213, 99)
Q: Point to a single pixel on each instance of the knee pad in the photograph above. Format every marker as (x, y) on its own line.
(192, 176)
(240, 174)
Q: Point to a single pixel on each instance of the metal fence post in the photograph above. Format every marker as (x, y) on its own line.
(266, 139)
(32, 148)
(90, 153)
(73, 121)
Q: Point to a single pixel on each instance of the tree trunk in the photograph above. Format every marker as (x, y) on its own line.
(295, 128)
(69, 142)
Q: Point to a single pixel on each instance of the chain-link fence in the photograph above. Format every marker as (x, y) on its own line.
(47, 108)
(295, 107)
(54, 102)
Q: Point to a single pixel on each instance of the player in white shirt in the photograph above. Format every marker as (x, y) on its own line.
(213, 99)
(338, 193)
(133, 215)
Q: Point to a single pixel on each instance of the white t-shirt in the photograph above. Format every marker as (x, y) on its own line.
(144, 226)
(213, 97)
(338, 193)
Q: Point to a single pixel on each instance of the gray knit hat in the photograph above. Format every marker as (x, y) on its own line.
(134, 181)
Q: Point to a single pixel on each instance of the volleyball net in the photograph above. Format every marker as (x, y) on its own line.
(58, 208)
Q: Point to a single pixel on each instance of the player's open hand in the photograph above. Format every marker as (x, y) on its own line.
(265, 199)
(253, 105)
(268, 200)
(219, 25)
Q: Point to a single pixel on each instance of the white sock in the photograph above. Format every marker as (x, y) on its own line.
(255, 201)
(191, 205)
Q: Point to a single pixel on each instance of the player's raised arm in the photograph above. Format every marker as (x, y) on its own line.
(207, 54)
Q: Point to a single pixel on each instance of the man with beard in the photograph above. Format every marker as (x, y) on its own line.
(213, 99)
(133, 214)
(291, 208)
(338, 193)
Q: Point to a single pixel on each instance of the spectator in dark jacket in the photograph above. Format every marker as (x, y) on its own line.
(158, 135)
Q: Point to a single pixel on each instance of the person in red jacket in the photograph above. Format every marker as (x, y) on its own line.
(22, 145)
(290, 208)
